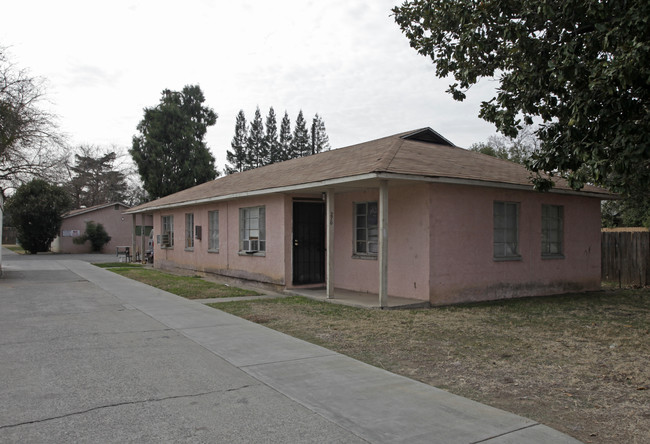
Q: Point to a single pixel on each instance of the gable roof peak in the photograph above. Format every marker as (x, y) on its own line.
(427, 135)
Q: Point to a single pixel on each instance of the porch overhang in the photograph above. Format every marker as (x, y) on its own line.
(370, 180)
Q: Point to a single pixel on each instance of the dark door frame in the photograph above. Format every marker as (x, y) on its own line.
(308, 242)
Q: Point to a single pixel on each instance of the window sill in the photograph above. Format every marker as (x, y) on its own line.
(365, 257)
(167, 248)
(252, 253)
(189, 249)
(552, 256)
(507, 258)
(213, 251)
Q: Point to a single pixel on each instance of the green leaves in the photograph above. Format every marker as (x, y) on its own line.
(37, 210)
(581, 67)
(169, 151)
(96, 234)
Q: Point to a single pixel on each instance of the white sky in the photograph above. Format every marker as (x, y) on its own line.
(345, 59)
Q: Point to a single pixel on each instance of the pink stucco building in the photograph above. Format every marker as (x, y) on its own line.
(118, 226)
(409, 215)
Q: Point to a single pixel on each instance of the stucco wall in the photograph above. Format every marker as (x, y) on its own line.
(462, 263)
(408, 234)
(116, 224)
(269, 268)
(440, 244)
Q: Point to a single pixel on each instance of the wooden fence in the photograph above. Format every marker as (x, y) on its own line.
(8, 235)
(626, 256)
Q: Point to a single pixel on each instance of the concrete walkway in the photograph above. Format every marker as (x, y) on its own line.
(90, 356)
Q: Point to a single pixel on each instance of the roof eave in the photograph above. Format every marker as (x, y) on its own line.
(485, 183)
(79, 211)
(365, 177)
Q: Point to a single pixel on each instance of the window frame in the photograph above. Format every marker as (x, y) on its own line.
(504, 248)
(167, 226)
(370, 239)
(557, 220)
(189, 231)
(213, 231)
(247, 226)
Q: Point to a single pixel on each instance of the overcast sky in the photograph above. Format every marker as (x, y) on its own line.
(345, 59)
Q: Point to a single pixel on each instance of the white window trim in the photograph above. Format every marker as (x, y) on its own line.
(252, 245)
(365, 254)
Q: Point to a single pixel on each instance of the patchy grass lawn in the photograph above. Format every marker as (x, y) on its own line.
(188, 287)
(118, 265)
(577, 363)
(15, 248)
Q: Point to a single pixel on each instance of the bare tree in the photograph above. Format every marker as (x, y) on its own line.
(31, 144)
(517, 149)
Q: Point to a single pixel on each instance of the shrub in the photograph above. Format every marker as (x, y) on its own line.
(37, 210)
(96, 234)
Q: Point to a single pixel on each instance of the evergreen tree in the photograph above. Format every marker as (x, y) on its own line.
(238, 157)
(285, 138)
(300, 145)
(319, 139)
(260, 145)
(170, 151)
(256, 146)
(94, 178)
(272, 145)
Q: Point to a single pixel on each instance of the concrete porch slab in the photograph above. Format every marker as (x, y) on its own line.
(358, 299)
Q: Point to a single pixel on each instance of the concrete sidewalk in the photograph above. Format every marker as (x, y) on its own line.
(90, 356)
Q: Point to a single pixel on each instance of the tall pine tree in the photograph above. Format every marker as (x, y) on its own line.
(260, 144)
(271, 138)
(238, 157)
(95, 180)
(300, 145)
(170, 151)
(319, 139)
(256, 146)
(285, 138)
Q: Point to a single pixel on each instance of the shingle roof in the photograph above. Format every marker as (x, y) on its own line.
(407, 155)
(78, 211)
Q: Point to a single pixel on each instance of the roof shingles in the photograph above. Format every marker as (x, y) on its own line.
(389, 155)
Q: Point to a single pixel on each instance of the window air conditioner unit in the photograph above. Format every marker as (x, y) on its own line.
(164, 240)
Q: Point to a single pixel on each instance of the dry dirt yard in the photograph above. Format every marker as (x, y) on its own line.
(577, 363)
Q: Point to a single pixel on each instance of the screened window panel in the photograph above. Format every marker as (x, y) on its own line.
(189, 230)
(506, 229)
(366, 230)
(213, 230)
(552, 230)
(167, 223)
(252, 229)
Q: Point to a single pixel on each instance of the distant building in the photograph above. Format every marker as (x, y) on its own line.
(118, 226)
